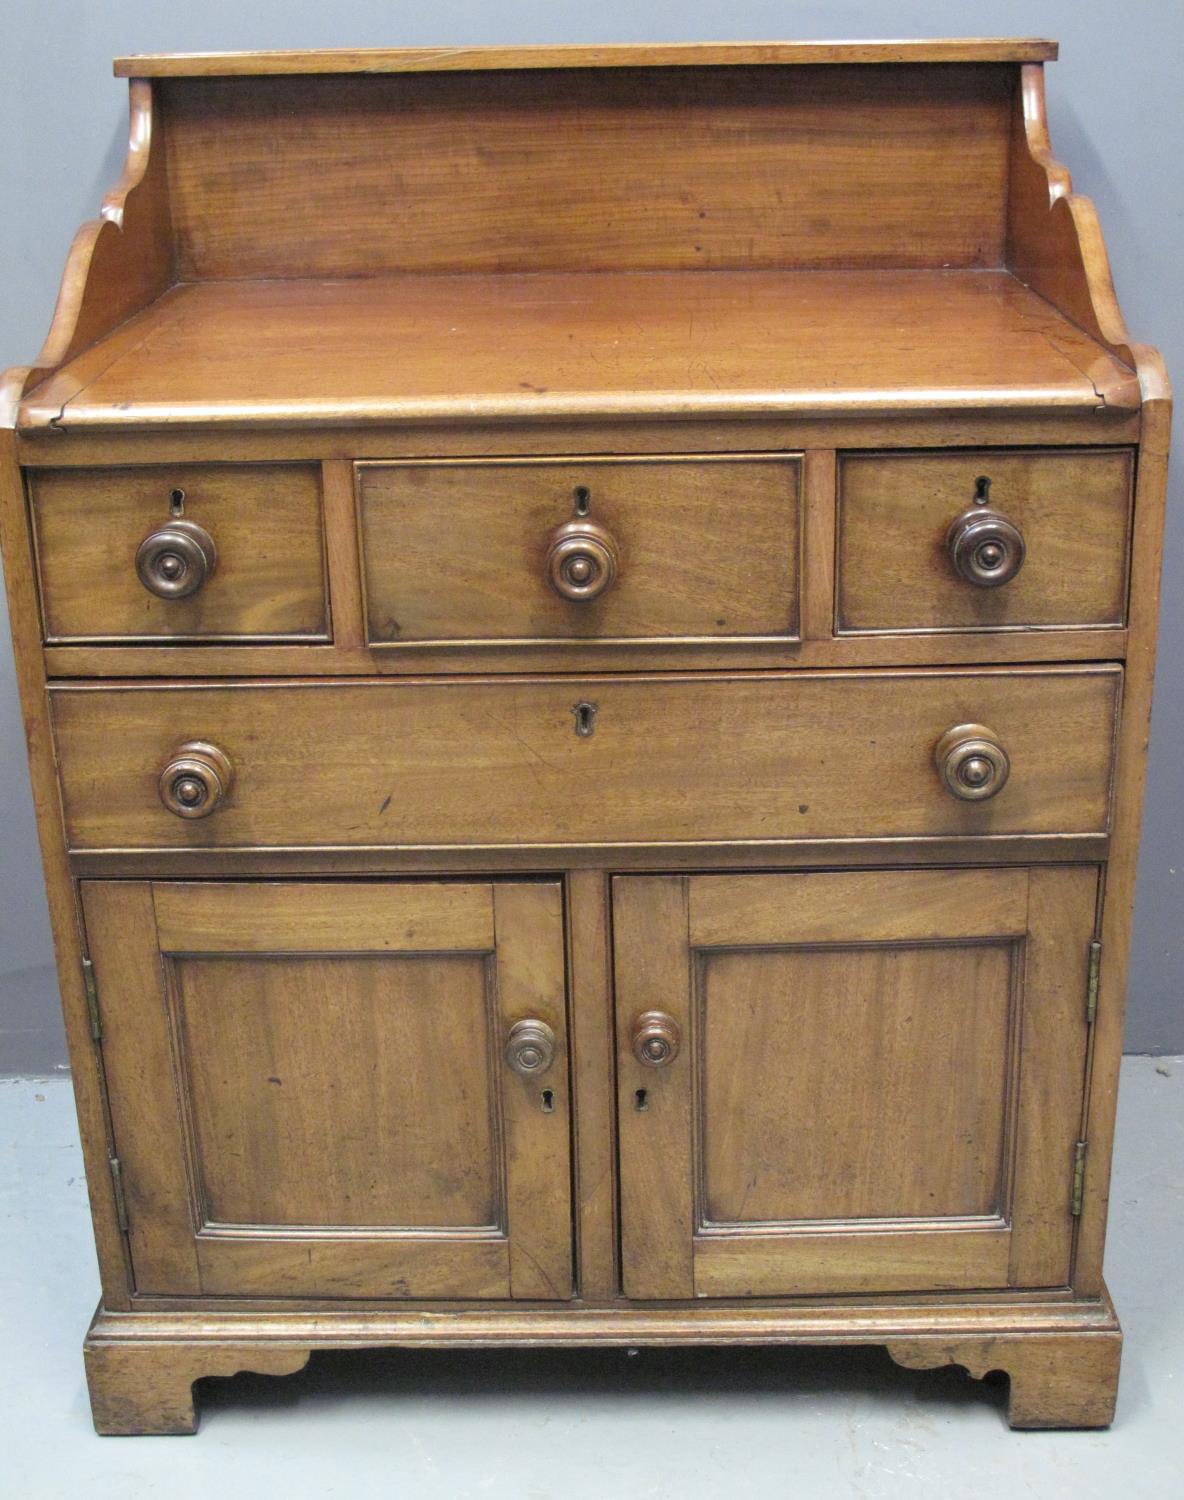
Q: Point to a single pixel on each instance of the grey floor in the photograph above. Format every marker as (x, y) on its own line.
(564, 1426)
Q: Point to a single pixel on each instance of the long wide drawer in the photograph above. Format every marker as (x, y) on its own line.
(585, 760)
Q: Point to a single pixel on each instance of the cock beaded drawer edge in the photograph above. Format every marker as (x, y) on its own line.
(585, 619)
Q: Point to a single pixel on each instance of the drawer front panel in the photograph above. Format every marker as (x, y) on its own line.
(617, 551)
(264, 578)
(660, 760)
(900, 543)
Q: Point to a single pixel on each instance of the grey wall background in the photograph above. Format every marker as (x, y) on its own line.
(1117, 116)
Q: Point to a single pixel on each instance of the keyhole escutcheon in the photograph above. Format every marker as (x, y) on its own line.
(585, 717)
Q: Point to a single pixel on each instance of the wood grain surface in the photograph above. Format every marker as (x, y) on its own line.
(760, 756)
(1072, 508)
(458, 552)
(308, 1092)
(265, 522)
(816, 1012)
(858, 269)
(588, 170)
(654, 55)
(419, 348)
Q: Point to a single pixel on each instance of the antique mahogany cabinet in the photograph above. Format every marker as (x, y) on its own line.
(585, 619)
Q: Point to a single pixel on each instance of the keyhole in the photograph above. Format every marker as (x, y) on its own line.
(548, 1101)
(585, 717)
(582, 496)
(982, 489)
(641, 1100)
(177, 502)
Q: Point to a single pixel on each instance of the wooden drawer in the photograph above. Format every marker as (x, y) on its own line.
(896, 562)
(612, 551)
(266, 582)
(670, 759)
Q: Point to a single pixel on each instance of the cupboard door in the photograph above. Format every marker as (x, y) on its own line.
(312, 1092)
(850, 1082)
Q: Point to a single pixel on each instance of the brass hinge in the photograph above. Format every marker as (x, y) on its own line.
(117, 1183)
(1091, 989)
(92, 999)
(1078, 1178)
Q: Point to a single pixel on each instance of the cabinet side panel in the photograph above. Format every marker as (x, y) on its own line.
(1147, 559)
(85, 1062)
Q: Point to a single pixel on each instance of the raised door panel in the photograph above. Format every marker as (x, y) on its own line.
(780, 1027)
(309, 1091)
(277, 1136)
(875, 1085)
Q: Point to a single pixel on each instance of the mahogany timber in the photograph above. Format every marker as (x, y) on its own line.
(740, 1176)
(268, 581)
(946, 291)
(119, 262)
(267, 1046)
(590, 983)
(609, 345)
(538, 171)
(1062, 1360)
(654, 55)
(708, 548)
(86, 1070)
(1072, 509)
(39, 448)
(407, 762)
(343, 658)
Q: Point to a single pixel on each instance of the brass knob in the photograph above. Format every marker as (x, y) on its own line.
(176, 559)
(985, 548)
(196, 779)
(656, 1039)
(581, 560)
(530, 1048)
(971, 762)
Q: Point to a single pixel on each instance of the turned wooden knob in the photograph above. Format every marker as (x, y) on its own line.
(971, 762)
(656, 1039)
(174, 561)
(985, 548)
(530, 1048)
(581, 560)
(195, 780)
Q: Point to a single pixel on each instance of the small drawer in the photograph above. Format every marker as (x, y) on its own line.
(620, 552)
(983, 540)
(652, 759)
(209, 552)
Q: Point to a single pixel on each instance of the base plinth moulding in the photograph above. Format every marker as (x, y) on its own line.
(1061, 1357)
